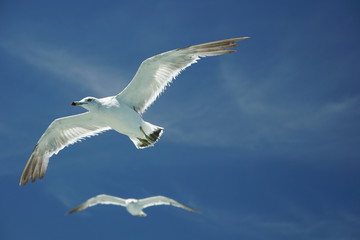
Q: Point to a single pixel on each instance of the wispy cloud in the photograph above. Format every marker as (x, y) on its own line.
(12, 152)
(94, 75)
(297, 223)
(255, 111)
(277, 115)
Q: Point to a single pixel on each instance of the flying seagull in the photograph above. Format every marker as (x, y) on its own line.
(133, 206)
(121, 112)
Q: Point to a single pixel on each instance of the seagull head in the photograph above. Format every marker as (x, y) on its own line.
(85, 102)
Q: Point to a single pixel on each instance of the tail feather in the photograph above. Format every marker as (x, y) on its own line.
(156, 134)
(150, 135)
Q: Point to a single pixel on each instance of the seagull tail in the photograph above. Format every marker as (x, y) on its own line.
(149, 135)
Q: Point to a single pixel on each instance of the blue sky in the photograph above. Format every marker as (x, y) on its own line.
(265, 141)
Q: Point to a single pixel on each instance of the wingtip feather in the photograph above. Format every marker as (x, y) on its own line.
(34, 169)
(74, 210)
(71, 212)
(195, 211)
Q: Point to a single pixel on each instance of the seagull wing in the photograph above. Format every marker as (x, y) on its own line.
(61, 133)
(99, 199)
(155, 73)
(161, 200)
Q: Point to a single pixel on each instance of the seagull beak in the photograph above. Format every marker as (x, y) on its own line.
(75, 103)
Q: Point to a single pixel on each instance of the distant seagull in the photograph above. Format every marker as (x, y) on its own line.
(133, 206)
(121, 112)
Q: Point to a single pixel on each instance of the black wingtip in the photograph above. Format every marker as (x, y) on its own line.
(71, 211)
(23, 183)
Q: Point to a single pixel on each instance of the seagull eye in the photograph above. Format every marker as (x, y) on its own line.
(89, 100)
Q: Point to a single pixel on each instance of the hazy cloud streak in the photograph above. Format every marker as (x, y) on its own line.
(95, 76)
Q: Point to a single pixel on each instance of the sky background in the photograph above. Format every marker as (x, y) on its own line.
(264, 141)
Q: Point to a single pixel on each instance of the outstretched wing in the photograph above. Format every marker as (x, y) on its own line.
(161, 200)
(99, 199)
(61, 133)
(155, 73)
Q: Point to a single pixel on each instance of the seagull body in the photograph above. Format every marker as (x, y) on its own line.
(121, 112)
(112, 113)
(133, 206)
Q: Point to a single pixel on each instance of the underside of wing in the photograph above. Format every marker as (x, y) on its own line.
(100, 199)
(155, 73)
(161, 200)
(61, 133)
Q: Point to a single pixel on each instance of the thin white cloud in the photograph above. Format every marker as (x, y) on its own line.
(8, 157)
(197, 122)
(67, 66)
(296, 222)
(271, 113)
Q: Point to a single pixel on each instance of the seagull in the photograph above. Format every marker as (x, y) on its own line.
(122, 112)
(133, 206)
